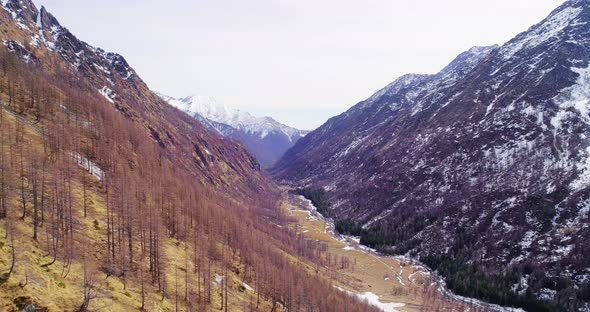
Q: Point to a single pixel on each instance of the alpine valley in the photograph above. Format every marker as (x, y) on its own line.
(464, 190)
(481, 171)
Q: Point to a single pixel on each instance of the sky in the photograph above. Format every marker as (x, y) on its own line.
(299, 61)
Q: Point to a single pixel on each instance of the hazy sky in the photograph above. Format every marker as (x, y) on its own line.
(300, 61)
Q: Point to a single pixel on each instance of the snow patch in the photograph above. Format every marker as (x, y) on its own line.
(90, 166)
(375, 301)
(546, 294)
(560, 252)
(108, 94)
(527, 240)
(247, 287)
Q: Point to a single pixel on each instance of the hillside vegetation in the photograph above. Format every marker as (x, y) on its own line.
(125, 203)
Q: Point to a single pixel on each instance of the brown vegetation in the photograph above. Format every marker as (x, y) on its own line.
(96, 188)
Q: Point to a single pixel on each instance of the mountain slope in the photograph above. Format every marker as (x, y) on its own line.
(482, 167)
(39, 35)
(110, 199)
(264, 137)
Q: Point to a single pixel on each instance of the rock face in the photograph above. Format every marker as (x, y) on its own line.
(264, 137)
(487, 161)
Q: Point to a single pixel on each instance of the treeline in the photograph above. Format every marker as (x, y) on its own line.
(82, 147)
(348, 227)
(318, 198)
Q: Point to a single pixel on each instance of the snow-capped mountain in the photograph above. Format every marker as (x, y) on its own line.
(264, 137)
(485, 165)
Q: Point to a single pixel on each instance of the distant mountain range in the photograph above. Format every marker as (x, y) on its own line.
(264, 137)
(481, 170)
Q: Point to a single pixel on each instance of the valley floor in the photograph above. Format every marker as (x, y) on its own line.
(391, 283)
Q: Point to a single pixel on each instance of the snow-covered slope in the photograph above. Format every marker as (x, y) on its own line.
(264, 137)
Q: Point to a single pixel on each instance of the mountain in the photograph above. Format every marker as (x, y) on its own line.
(264, 137)
(481, 170)
(39, 38)
(111, 199)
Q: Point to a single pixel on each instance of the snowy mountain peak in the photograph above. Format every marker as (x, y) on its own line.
(208, 107)
(264, 137)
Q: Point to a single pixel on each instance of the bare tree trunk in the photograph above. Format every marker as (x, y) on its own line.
(22, 183)
(142, 308)
(12, 250)
(84, 193)
(176, 288)
(34, 183)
